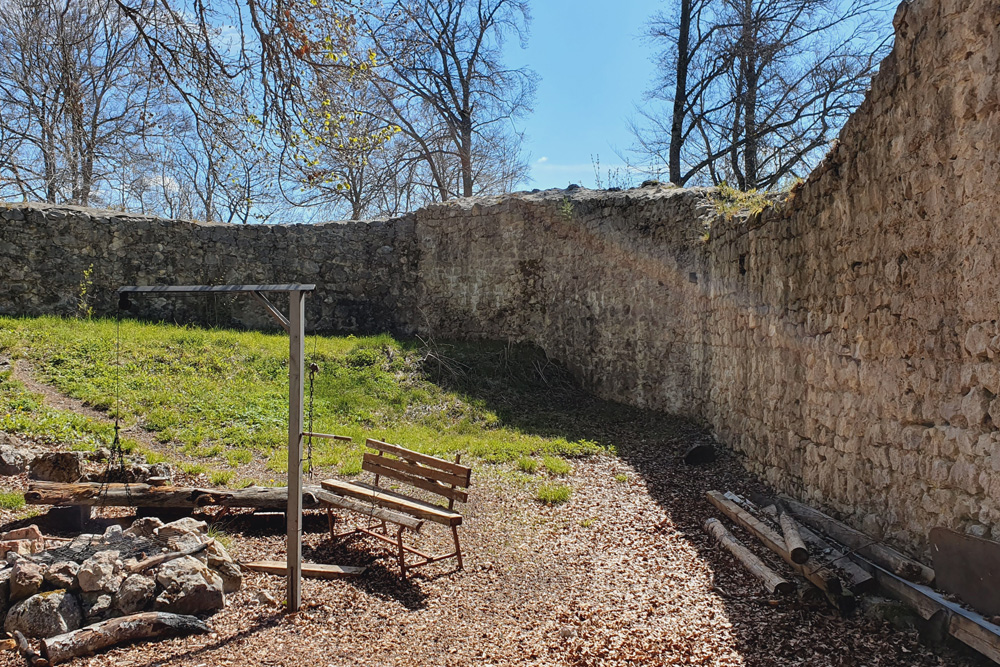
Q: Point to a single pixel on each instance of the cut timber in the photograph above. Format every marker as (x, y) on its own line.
(144, 565)
(394, 501)
(967, 626)
(793, 541)
(862, 544)
(821, 577)
(773, 583)
(861, 580)
(149, 625)
(368, 509)
(146, 495)
(279, 567)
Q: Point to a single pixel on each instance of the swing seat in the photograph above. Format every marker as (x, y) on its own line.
(405, 466)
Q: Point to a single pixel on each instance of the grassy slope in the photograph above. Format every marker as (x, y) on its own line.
(221, 395)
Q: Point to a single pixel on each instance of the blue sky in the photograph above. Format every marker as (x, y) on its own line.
(594, 65)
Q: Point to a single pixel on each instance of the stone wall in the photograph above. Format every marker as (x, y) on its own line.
(365, 270)
(845, 342)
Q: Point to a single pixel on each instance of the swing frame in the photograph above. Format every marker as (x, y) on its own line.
(294, 325)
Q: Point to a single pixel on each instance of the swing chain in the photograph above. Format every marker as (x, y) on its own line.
(313, 369)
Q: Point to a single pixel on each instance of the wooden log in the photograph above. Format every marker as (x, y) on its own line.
(146, 495)
(862, 544)
(793, 541)
(860, 580)
(316, 571)
(148, 625)
(820, 576)
(772, 581)
(153, 561)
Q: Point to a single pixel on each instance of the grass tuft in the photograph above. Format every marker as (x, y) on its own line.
(11, 500)
(621, 478)
(528, 465)
(553, 494)
(556, 465)
(222, 477)
(729, 201)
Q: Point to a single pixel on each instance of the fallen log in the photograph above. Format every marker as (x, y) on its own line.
(860, 580)
(793, 541)
(93, 638)
(153, 561)
(147, 495)
(862, 544)
(772, 581)
(821, 577)
(315, 571)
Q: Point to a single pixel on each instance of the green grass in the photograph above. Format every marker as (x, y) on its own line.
(556, 465)
(220, 536)
(553, 494)
(221, 395)
(222, 477)
(11, 500)
(729, 201)
(528, 465)
(621, 478)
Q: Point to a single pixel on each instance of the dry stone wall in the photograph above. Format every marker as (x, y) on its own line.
(845, 342)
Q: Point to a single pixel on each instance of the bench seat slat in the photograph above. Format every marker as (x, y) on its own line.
(376, 465)
(462, 471)
(360, 507)
(394, 501)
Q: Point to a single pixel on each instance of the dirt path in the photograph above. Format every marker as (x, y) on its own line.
(619, 575)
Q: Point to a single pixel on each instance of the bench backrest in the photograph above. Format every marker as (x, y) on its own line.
(419, 470)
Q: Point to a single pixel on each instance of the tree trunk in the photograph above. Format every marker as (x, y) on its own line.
(144, 495)
(465, 155)
(148, 625)
(680, 94)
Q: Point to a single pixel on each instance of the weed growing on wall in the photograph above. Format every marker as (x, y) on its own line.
(728, 201)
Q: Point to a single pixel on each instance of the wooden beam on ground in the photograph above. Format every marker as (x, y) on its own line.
(861, 581)
(146, 495)
(315, 571)
(772, 581)
(861, 543)
(820, 576)
(93, 638)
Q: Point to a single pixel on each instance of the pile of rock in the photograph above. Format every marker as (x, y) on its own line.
(18, 456)
(95, 577)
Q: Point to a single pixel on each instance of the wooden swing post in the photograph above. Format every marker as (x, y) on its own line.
(295, 325)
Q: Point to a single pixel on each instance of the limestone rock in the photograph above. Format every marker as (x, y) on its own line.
(14, 460)
(220, 561)
(145, 527)
(62, 574)
(57, 467)
(190, 587)
(135, 594)
(45, 615)
(112, 535)
(975, 406)
(186, 525)
(102, 572)
(25, 579)
(96, 606)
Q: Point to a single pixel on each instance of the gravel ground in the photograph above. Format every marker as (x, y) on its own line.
(619, 575)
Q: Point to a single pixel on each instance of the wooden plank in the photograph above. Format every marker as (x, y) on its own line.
(821, 577)
(967, 626)
(146, 495)
(395, 501)
(426, 459)
(418, 470)
(312, 570)
(374, 465)
(790, 531)
(861, 580)
(861, 543)
(969, 567)
(380, 513)
(773, 583)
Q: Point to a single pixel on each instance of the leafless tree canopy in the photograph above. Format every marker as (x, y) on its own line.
(752, 91)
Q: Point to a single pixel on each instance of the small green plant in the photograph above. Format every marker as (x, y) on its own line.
(527, 465)
(553, 494)
(11, 500)
(222, 477)
(728, 201)
(237, 457)
(245, 483)
(566, 209)
(350, 467)
(556, 465)
(621, 478)
(193, 469)
(587, 523)
(220, 536)
(84, 309)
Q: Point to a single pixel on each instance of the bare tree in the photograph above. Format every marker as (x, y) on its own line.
(757, 88)
(450, 91)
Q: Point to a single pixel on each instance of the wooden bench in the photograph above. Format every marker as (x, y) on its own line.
(419, 471)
